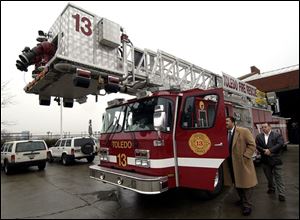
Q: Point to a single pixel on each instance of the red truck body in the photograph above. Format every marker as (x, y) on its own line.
(188, 153)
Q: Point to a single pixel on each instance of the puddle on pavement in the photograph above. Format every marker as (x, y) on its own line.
(111, 195)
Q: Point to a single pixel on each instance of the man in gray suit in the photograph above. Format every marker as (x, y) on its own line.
(270, 144)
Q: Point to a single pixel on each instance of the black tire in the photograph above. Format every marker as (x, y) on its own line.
(65, 160)
(7, 168)
(49, 157)
(219, 183)
(42, 166)
(90, 159)
(87, 148)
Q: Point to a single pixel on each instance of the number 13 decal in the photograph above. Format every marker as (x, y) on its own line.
(86, 29)
(122, 160)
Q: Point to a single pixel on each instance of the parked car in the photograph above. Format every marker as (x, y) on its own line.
(23, 153)
(69, 149)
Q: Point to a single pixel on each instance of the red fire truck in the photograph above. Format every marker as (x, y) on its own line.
(173, 133)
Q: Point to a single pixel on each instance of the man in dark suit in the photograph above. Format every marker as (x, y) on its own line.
(270, 144)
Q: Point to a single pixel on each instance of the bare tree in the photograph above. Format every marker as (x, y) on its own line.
(6, 99)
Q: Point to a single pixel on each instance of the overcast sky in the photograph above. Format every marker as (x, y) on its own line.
(219, 36)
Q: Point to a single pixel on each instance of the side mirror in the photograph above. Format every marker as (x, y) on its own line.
(159, 118)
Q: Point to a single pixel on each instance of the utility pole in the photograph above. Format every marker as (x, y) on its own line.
(90, 129)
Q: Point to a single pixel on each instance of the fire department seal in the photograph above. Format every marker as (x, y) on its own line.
(199, 143)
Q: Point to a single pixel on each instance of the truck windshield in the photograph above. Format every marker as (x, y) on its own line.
(139, 115)
(112, 120)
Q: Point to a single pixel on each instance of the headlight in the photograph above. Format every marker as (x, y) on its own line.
(138, 162)
(142, 158)
(103, 154)
(145, 163)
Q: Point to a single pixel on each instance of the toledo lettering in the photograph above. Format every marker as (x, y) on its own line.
(121, 144)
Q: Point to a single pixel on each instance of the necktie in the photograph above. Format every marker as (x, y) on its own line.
(229, 137)
(230, 141)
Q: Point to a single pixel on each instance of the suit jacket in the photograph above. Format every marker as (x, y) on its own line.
(243, 147)
(275, 145)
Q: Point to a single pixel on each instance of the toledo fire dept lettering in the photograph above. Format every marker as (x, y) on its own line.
(238, 86)
(121, 144)
(199, 143)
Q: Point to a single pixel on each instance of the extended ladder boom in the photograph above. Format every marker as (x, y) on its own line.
(73, 61)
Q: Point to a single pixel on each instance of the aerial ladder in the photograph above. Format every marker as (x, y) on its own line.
(83, 54)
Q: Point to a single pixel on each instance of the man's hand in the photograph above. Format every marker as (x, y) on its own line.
(267, 152)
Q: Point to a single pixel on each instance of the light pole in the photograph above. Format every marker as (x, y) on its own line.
(61, 109)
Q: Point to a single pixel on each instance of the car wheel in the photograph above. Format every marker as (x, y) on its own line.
(7, 168)
(42, 166)
(90, 159)
(49, 157)
(65, 160)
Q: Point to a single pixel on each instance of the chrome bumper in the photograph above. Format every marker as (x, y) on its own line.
(133, 181)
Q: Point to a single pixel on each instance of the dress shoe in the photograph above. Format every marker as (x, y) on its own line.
(281, 198)
(246, 211)
(238, 203)
(271, 191)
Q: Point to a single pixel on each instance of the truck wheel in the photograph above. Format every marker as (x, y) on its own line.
(49, 157)
(7, 168)
(90, 159)
(42, 166)
(218, 184)
(65, 160)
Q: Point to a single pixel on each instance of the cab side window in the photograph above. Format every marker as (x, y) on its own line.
(57, 143)
(9, 149)
(4, 147)
(63, 143)
(68, 143)
(199, 111)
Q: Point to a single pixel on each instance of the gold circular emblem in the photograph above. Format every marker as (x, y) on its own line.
(199, 143)
(201, 105)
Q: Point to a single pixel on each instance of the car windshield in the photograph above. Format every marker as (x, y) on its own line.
(83, 141)
(30, 146)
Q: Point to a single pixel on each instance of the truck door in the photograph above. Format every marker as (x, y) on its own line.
(201, 138)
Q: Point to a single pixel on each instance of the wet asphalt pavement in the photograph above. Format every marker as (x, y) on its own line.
(68, 192)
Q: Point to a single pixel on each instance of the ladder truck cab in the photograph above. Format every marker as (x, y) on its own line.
(163, 140)
(173, 133)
